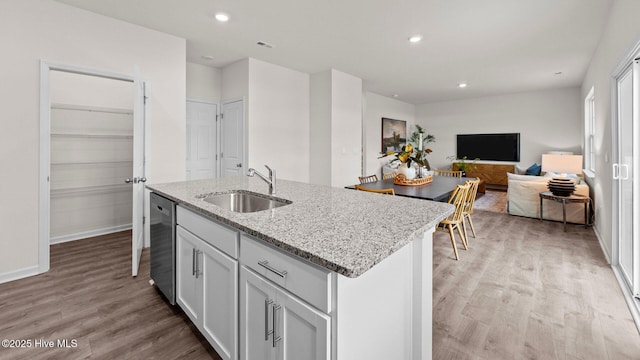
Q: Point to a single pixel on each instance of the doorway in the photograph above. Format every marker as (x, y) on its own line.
(626, 182)
(75, 144)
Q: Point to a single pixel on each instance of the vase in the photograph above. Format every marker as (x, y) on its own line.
(409, 172)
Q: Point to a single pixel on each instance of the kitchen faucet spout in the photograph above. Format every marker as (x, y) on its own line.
(271, 180)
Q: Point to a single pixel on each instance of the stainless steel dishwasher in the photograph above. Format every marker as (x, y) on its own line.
(163, 245)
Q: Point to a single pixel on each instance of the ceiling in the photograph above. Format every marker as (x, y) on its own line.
(496, 46)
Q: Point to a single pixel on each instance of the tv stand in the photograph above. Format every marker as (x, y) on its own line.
(495, 175)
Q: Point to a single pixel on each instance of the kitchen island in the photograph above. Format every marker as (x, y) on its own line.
(367, 256)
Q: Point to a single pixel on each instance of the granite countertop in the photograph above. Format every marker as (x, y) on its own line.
(343, 230)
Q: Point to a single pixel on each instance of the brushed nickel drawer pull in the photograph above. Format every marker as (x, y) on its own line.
(265, 264)
(267, 332)
(193, 261)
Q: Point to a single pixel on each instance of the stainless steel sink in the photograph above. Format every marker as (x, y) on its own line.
(243, 201)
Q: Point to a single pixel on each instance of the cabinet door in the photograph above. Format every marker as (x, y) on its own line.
(304, 331)
(188, 294)
(220, 300)
(256, 317)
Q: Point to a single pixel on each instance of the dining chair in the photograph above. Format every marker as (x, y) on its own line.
(389, 175)
(388, 191)
(454, 221)
(450, 173)
(368, 179)
(468, 206)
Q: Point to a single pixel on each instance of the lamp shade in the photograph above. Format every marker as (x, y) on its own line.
(566, 164)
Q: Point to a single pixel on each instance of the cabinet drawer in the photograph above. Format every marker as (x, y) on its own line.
(304, 280)
(218, 235)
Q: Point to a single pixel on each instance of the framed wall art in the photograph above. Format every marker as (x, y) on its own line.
(394, 135)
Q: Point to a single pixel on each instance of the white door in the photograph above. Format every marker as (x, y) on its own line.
(628, 216)
(201, 140)
(138, 180)
(220, 308)
(232, 139)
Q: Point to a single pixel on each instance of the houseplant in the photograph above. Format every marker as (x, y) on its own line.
(413, 152)
(463, 164)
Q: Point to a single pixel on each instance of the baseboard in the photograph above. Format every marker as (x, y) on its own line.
(632, 303)
(606, 253)
(87, 234)
(19, 274)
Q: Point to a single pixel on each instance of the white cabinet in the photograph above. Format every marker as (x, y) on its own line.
(188, 294)
(207, 284)
(277, 325)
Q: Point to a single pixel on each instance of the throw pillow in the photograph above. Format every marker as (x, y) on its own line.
(534, 170)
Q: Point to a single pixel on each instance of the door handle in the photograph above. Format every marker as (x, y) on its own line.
(267, 332)
(239, 165)
(275, 318)
(135, 180)
(193, 261)
(626, 171)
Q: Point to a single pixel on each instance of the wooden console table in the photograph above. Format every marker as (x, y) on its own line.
(493, 174)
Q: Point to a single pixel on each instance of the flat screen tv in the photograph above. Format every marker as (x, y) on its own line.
(497, 147)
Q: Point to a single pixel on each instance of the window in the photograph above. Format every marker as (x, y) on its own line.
(589, 131)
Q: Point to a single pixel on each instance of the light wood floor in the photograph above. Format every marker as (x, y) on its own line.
(524, 290)
(527, 290)
(90, 296)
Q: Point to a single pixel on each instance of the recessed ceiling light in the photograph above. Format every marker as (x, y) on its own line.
(415, 38)
(222, 17)
(207, 57)
(395, 95)
(462, 85)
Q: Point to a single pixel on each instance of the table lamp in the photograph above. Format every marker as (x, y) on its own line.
(562, 164)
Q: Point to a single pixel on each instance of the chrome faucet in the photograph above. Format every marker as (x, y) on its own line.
(271, 180)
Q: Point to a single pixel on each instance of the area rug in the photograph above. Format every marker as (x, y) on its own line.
(492, 200)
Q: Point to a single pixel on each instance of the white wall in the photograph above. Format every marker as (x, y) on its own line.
(74, 89)
(546, 120)
(45, 29)
(320, 128)
(375, 108)
(346, 128)
(621, 33)
(235, 80)
(204, 83)
(278, 122)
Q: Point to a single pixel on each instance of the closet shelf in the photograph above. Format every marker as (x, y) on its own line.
(92, 136)
(101, 189)
(94, 163)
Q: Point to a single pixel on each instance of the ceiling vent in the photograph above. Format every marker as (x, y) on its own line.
(265, 44)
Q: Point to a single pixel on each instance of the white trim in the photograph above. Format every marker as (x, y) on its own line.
(201, 101)
(87, 234)
(606, 253)
(19, 274)
(45, 156)
(632, 303)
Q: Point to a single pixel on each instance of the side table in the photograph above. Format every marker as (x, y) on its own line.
(566, 200)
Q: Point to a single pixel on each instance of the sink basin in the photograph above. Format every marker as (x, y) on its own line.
(245, 201)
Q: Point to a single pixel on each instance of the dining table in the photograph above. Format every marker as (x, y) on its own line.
(438, 189)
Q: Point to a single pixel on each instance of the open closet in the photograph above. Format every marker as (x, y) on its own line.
(91, 144)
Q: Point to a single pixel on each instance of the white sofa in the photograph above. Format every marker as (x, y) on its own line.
(523, 199)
